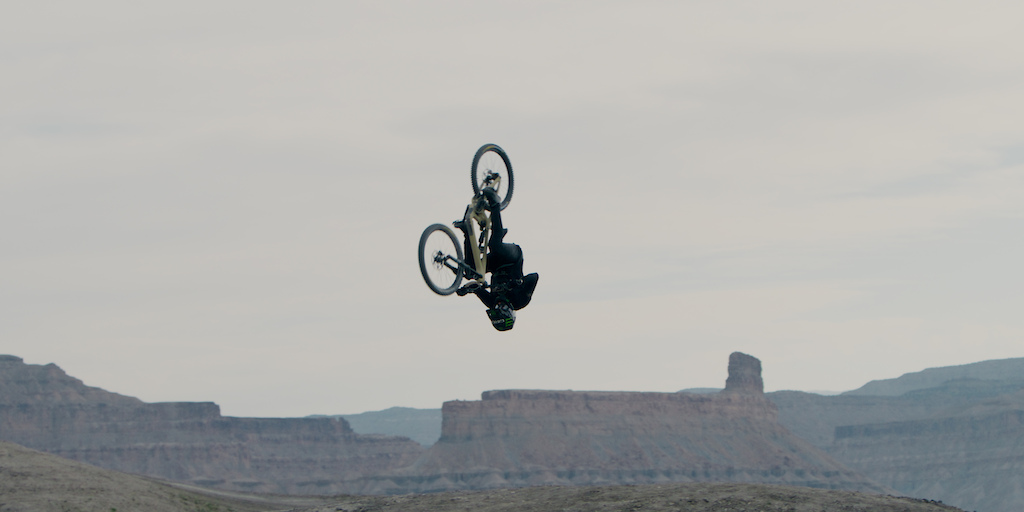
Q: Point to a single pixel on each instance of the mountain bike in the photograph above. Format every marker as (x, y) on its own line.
(442, 261)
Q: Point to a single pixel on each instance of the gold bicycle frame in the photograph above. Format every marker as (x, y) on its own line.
(477, 213)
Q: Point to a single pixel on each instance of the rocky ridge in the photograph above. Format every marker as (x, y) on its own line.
(1005, 370)
(43, 408)
(509, 438)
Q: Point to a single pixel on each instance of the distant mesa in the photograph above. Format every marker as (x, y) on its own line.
(1007, 370)
(515, 438)
(43, 408)
(420, 425)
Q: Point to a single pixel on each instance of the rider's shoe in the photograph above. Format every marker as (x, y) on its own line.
(492, 197)
(470, 287)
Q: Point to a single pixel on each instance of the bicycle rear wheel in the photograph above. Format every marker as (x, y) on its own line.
(491, 159)
(440, 254)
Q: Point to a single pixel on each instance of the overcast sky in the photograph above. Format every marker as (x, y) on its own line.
(221, 201)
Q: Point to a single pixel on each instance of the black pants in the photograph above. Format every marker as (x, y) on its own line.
(505, 262)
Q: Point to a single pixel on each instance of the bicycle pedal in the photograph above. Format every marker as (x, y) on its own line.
(468, 288)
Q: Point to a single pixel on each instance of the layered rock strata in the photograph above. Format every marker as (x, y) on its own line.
(526, 437)
(43, 408)
(815, 417)
(971, 457)
(952, 434)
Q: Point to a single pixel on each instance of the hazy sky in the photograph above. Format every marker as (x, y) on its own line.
(221, 201)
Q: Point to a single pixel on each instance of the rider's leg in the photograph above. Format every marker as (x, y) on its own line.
(469, 251)
(467, 248)
(521, 295)
(497, 229)
(486, 297)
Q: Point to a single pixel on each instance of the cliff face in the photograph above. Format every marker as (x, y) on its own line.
(816, 417)
(968, 456)
(44, 409)
(744, 375)
(522, 437)
(953, 434)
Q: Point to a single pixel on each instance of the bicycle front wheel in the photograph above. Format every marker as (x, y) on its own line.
(489, 161)
(440, 254)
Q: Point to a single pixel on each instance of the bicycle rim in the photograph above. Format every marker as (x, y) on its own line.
(438, 249)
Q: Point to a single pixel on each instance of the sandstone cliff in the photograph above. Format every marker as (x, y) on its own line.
(524, 437)
(816, 417)
(43, 408)
(953, 434)
(969, 456)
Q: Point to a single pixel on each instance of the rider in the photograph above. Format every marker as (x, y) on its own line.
(510, 289)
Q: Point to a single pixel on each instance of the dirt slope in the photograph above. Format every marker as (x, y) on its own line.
(38, 482)
(33, 481)
(647, 498)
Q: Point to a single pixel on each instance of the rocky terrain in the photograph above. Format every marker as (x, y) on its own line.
(43, 408)
(32, 481)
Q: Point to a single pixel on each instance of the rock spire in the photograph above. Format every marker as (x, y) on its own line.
(744, 374)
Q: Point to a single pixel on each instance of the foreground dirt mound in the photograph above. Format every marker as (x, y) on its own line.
(33, 481)
(39, 482)
(648, 498)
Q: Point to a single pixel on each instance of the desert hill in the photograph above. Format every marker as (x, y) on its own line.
(420, 425)
(32, 481)
(1006, 370)
(648, 498)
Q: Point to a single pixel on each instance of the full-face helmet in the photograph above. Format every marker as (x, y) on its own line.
(502, 316)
